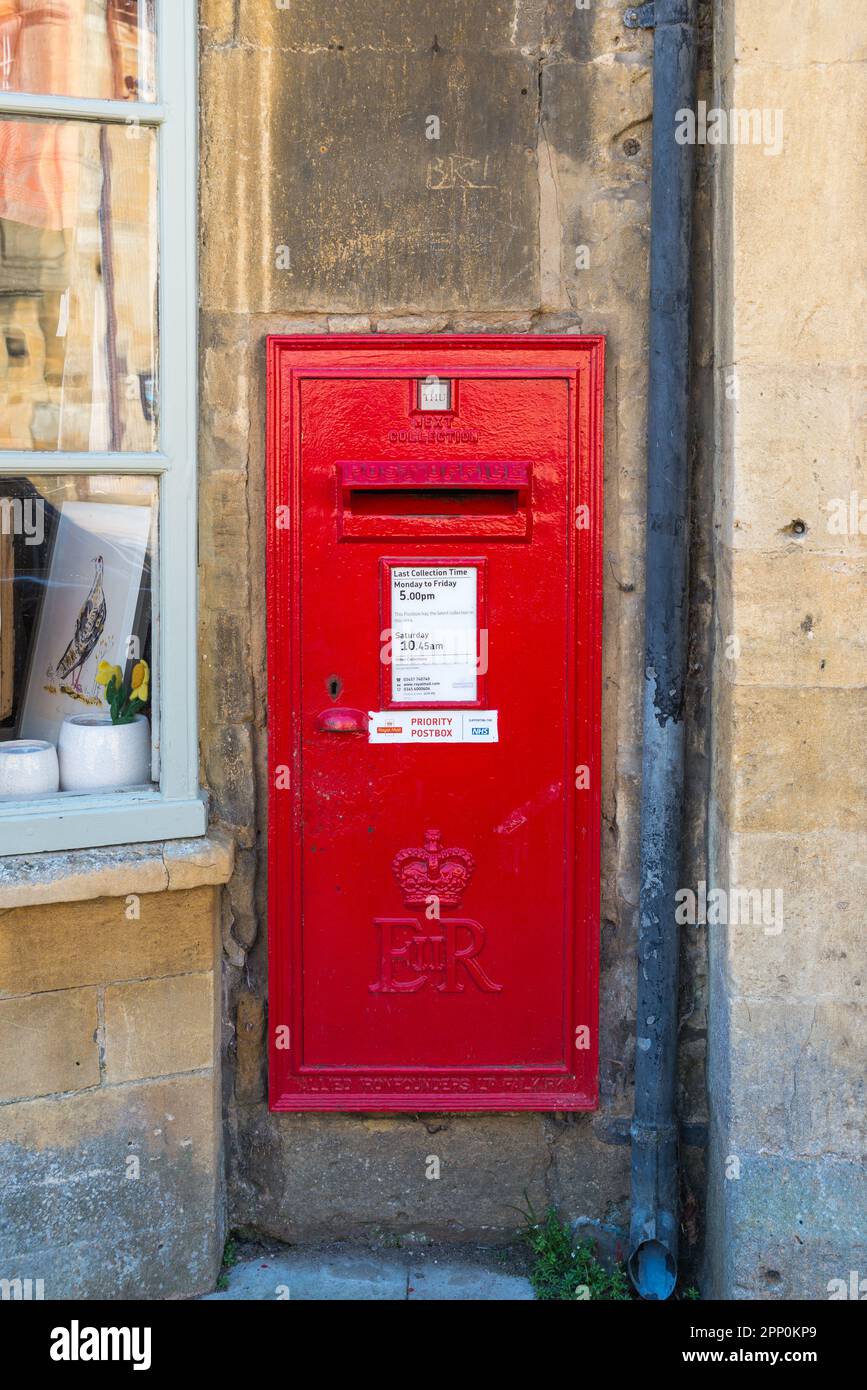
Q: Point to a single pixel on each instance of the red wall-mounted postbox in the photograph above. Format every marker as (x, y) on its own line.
(434, 639)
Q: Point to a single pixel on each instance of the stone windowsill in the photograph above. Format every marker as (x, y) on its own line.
(27, 880)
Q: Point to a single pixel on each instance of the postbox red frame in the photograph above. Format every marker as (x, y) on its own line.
(580, 359)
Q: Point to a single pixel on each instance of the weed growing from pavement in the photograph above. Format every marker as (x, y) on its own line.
(230, 1258)
(562, 1269)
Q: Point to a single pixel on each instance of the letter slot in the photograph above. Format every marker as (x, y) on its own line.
(450, 500)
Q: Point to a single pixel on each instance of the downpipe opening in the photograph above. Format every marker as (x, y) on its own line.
(653, 1271)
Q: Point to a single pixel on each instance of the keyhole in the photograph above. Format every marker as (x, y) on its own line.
(335, 685)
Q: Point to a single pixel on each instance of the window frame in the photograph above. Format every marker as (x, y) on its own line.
(177, 808)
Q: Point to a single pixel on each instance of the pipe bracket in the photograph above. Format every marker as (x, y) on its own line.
(641, 16)
(654, 1135)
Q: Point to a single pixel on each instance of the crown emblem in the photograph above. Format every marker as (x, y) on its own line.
(433, 871)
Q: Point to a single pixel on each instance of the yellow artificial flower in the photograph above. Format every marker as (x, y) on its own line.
(140, 682)
(140, 675)
(106, 672)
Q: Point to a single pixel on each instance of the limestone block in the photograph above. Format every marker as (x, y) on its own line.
(798, 619)
(90, 943)
(223, 527)
(595, 33)
(113, 1192)
(158, 1027)
(291, 323)
(389, 25)
(112, 871)
(797, 759)
(786, 1228)
(806, 305)
(77, 875)
(794, 445)
(193, 862)
(225, 417)
(229, 775)
(48, 1043)
(320, 1176)
(412, 323)
(820, 31)
(819, 952)
(494, 323)
(348, 323)
(798, 1077)
(226, 687)
(391, 218)
(587, 1175)
(595, 196)
(216, 21)
(249, 1045)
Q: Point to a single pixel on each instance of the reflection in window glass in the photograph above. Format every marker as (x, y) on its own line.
(78, 48)
(78, 286)
(77, 685)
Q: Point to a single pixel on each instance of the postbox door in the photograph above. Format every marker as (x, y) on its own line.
(433, 655)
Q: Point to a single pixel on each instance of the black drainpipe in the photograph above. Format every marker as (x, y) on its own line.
(654, 1224)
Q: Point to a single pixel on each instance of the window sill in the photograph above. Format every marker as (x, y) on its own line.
(73, 821)
(115, 871)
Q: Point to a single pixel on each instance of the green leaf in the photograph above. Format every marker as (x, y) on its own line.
(563, 1269)
(116, 694)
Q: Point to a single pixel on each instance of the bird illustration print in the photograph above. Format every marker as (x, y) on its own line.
(88, 630)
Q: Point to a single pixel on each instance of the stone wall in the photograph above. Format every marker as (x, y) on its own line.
(788, 803)
(325, 207)
(110, 1125)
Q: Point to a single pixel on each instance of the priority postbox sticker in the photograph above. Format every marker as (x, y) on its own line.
(433, 726)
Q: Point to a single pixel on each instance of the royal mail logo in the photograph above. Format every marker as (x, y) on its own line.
(442, 950)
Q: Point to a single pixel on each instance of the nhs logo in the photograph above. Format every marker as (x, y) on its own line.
(480, 727)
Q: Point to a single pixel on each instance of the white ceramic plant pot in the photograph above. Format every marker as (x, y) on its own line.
(96, 755)
(28, 767)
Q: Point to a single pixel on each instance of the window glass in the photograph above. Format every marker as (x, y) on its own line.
(78, 286)
(78, 48)
(77, 679)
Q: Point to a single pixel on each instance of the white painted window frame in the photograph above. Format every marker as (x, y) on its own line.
(177, 808)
